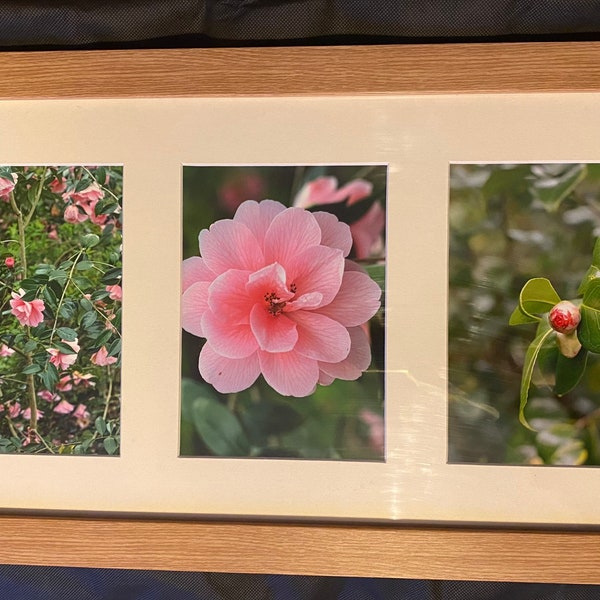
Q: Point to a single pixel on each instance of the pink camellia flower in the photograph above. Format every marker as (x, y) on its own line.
(272, 293)
(82, 416)
(63, 361)
(82, 380)
(27, 413)
(9, 262)
(115, 292)
(91, 193)
(7, 186)
(72, 214)
(14, 410)
(64, 408)
(102, 359)
(58, 186)
(27, 313)
(48, 396)
(6, 351)
(366, 231)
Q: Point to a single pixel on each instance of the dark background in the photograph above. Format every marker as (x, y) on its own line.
(97, 24)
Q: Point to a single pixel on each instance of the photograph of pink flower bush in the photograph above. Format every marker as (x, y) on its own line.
(282, 312)
(60, 297)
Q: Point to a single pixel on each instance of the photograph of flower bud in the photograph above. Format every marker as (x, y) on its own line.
(524, 314)
(283, 283)
(60, 297)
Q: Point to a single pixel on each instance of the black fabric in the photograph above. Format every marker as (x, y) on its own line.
(84, 23)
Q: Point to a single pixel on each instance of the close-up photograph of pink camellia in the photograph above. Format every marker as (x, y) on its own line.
(282, 295)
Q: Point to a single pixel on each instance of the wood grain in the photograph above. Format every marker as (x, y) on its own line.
(433, 69)
(334, 550)
(315, 549)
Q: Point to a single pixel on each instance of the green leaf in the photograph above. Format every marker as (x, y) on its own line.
(86, 304)
(111, 445)
(84, 265)
(569, 371)
(588, 331)
(103, 338)
(100, 425)
(552, 195)
(270, 416)
(30, 346)
(528, 366)
(219, 429)
(89, 240)
(67, 334)
(594, 270)
(31, 369)
(89, 319)
(537, 297)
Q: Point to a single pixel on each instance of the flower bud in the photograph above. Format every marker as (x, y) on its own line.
(9, 261)
(564, 317)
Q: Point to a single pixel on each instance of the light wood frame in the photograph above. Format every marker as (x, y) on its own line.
(419, 551)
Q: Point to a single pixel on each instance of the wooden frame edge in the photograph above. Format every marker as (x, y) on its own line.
(408, 552)
(335, 70)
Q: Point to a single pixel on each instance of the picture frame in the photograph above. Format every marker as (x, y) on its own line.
(424, 545)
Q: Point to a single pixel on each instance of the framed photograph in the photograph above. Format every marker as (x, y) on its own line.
(366, 300)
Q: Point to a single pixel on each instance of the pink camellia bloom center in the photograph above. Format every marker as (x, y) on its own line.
(272, 293)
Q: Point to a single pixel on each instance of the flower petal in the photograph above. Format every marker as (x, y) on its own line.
(318, 191)
(356, 302)
(317, 269)
(194, 269)
(357, 361)
(290, 232)
(257, 216)
(366, 232)
(194, 303)
(230, 245)
(274, 333)
(225, 374)
(289, 373)
(271, 279)
(231, 341)
(355, 190)
(334, 233)
(227, 297)
(320, 337)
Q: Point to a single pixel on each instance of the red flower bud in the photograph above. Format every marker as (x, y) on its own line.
(9, 261)
(564, 317)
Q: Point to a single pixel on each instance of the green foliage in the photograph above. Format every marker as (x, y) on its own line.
(56, 248)
(532, 235)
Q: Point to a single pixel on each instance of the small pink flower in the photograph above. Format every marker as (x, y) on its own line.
(52, 233)
(31, 437)
(48, 396)
(273, 293)
(367, 231)
(82, 380)
(14, 410)
(7, 186)
(91, 193)
(6, 351)
(58, 186)
(82, 416)
(376, 427)
(27, 313)
(102, 359)
(64, 408)
(63, 361)
(72, 214)
(9, 262)
(115, 292)
(27, 413)
(65, 383)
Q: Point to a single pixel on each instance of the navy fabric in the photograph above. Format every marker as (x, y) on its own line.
(65, 583)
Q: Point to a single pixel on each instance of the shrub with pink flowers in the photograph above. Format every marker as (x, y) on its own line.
(60, 297)
(282, 311)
